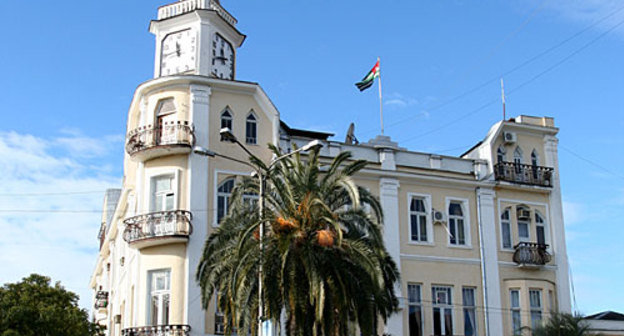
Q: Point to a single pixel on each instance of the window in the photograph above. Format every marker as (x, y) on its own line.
(535, 301)
(518, 155)
(516, 320)
(534, 158)
(523, 223)
(418, 220)
(163, 195)
(442, 310)
(251, 132)
(226, 119)
(165, 122)
(457, 224)
(159, 297)
(219, 318)
(470, 311)
(250, 199)
(540, 228)
(415, 310)
(224, 192)
(500, 154)
(506, 228)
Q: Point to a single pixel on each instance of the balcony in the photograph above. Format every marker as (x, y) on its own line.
(101, 300)
(174, 137)
(187, 6)
(531, 255)
(523, 174)
(160, 330)
(157, 228)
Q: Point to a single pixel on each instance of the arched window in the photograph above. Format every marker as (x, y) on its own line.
(224, 192)
(457, 224)
(506, 228)
(534, 158)
(540, 228)
(165, 122)
(500, 154)
(226, 119)
(251, 129)
(518, 155)
(418, 220)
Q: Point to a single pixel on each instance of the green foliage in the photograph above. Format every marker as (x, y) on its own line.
(33, 307)
(324, 261)
(561, 324)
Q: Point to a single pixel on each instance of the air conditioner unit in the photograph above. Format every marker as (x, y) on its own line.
(439, 217)
(524, 214)
(510, 137)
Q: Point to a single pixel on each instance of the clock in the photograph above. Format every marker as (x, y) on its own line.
(178, 52)
(222, 58)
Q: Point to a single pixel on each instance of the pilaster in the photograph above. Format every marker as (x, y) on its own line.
(489, 262)
(558, 229)
(197, 189)
(389, 198)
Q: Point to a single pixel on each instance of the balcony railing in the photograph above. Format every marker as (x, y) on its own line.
(101, 300)
(160, 330)
(164, 138)
(186, 6)
(149, 229)
(531, 254)
(523, 174)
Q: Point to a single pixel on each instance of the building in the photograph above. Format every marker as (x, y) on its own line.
(607, 323)
(479, 238)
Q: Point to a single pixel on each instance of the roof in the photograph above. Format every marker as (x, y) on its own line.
(606, 315)
(305, 133)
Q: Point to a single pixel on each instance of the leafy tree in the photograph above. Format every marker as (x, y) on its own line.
(33, 307)
(324, 263)
(562, 324)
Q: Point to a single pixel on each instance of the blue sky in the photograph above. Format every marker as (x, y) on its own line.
(69, 70)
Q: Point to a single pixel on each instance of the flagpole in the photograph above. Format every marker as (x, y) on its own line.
(380, 101)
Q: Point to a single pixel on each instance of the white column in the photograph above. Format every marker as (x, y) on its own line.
(197, 188)
(557, 226)
(489, 262)
(389, 197)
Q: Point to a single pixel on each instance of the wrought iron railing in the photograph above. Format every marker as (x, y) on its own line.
(523, 173)
(101, 299)
(531, 254)
(169, 133)
(174, 223)
(186, 6)
(159, 330)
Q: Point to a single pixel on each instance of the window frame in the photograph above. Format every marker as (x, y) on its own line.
(466, 309)
(248, 122)
(509, 223)
(161, 294)
(417, 304)
(515, 311)
(149, 203)
(229, 117)
(536, 309)
(226, 196)
(465, 206)
(429, 225)
(443, 307)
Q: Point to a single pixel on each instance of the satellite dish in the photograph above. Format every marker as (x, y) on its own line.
(350, 139)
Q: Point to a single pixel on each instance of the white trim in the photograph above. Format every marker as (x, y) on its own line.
(514, 265)
(151, 174)
(465, 203)
(428, 208)
(430, 258)
(500, 228)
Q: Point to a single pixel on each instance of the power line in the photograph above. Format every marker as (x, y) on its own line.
(603, 168)
(514, 69)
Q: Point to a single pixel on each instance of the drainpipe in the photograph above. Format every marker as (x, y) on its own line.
(486, 311)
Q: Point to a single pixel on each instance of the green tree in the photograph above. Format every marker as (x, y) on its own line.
(324, 260)
(33, 307)
(562, 324)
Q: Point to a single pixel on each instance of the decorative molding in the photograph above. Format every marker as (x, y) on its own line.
(430, 258)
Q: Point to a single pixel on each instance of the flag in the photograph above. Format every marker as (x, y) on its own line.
(368, 80)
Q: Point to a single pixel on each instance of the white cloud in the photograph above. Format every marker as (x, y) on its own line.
(35, 238)
(398, 100)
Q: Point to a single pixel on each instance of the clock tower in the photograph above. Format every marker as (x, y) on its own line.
(195, 37)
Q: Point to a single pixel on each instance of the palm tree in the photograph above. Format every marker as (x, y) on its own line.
(561, 324)
(324, 263)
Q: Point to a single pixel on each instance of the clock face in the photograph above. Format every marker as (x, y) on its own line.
(222, 58)
(178, 53)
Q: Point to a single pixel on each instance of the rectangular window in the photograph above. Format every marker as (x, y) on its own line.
(415, 310)
(418, 220)
(163, 195)
(470, 311)
(506, 229)
(456, 224)
(159, 297)
(442, 310)
(523, 231)
(535, 302)
(516, 320)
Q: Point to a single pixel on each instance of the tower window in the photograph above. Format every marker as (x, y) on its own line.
(251, 130)
(226, 119)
